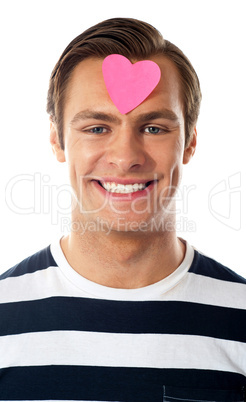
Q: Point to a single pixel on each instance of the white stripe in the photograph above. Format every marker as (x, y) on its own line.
(205, 290)
(122, 350)
(37, 285)
(193, 288)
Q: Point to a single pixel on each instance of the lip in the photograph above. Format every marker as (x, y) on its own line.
(126, 196)
(124, 181)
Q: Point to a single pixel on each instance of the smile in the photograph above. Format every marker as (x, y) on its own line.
(113, 187)
(124, 189)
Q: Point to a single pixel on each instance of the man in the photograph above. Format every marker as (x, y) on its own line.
(121, 309)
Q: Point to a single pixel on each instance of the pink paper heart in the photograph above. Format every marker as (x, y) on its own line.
(129, 84)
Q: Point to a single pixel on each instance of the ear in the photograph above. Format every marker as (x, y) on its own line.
(190, 148)
(55, 143)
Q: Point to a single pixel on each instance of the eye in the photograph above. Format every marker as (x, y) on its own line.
(152, 130)
(97, 130)
(156, 130)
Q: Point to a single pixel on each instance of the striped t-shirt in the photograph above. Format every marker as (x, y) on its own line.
(65, 338)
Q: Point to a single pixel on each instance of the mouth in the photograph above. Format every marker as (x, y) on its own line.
(119, 188)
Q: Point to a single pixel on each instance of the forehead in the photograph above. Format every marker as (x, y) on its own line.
(87, 89)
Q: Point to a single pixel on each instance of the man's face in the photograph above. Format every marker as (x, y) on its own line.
(142, 150)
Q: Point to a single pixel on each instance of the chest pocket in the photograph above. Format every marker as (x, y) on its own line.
(173, 394)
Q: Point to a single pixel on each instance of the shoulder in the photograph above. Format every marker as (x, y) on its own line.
(207, 266)
(38, 261)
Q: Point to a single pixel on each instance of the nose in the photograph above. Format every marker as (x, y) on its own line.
(126, 150)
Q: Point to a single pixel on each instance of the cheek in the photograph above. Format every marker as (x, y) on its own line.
(168, 156)
(82, 157)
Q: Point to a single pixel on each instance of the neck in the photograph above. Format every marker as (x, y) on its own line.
(123, 259)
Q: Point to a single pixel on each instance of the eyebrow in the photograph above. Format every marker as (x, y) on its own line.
(91, 114)
(159, 114)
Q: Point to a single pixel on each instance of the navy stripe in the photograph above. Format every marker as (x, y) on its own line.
(82, 314)
(203, 265)
(36, 262)
(107, 384)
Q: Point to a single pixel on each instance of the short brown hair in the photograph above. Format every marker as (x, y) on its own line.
(133, 39)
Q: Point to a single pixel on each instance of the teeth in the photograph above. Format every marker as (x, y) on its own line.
(124, 189)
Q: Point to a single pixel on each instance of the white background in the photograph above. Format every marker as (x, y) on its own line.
(211, 33)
